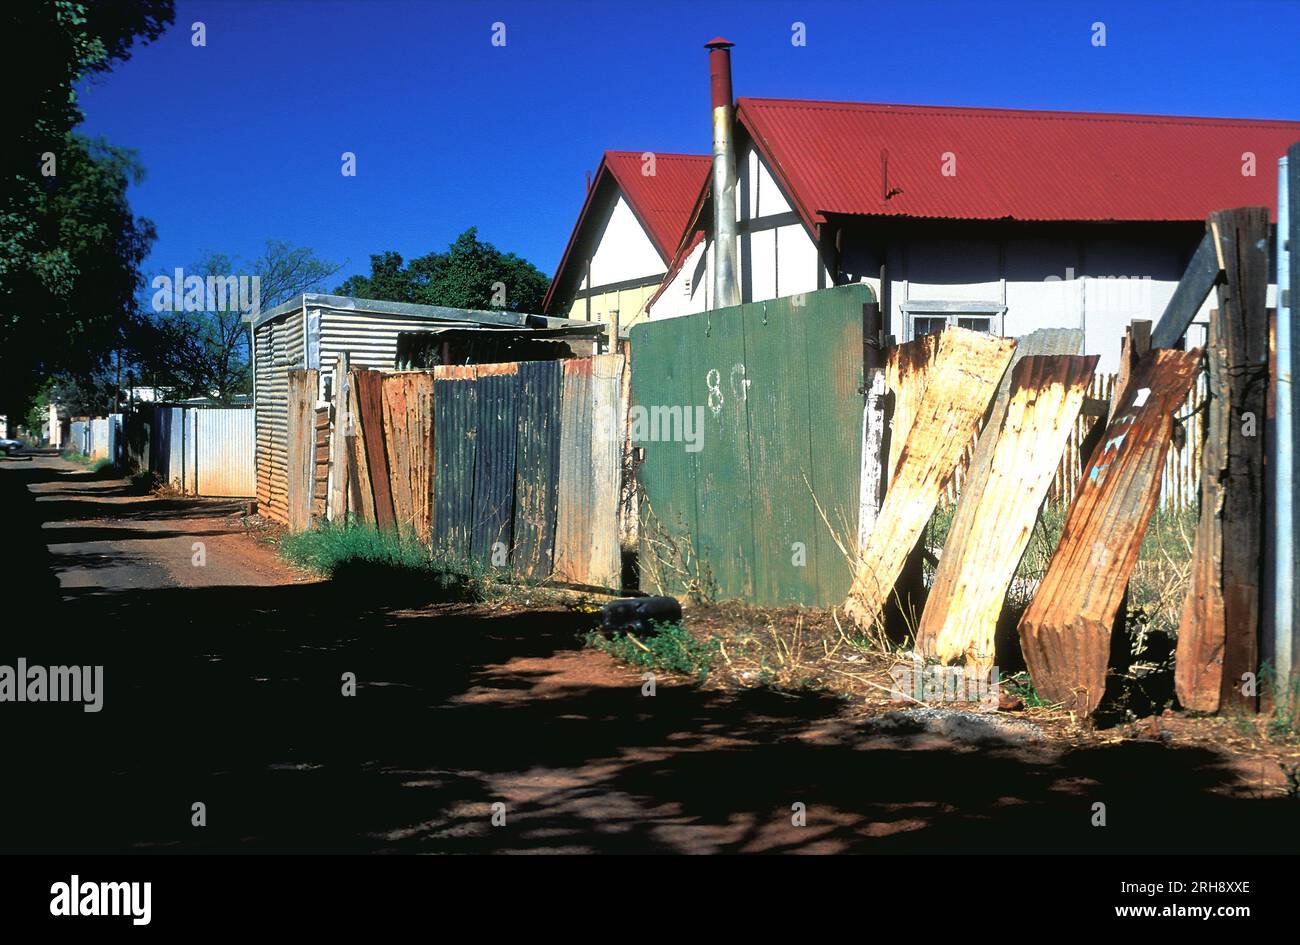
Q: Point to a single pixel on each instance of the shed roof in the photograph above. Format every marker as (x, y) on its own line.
(432, 313)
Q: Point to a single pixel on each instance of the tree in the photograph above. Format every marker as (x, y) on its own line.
(470, 274)
(69, 246)
(205, 352)
(67, 293)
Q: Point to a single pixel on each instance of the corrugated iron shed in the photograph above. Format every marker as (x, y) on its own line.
(311, 331)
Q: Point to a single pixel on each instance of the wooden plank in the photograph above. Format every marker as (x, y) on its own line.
(1016, 458)
(575, 499)
(361, 499)
(1202, 274)
(340, 454)
(968, 366)
(370, 410)
(872, 486)
(605, 568)
(420, 401)
(398, 448)
(1135, 345)
(906, 371)
(1065, 632)
(300, 469)
(1218, 636)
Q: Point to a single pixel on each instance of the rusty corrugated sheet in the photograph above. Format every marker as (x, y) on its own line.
(967, 368)
(1014, 463)
(537, 466)
(492, 528)
(575, 500)
(408, 434)
(368, 386)
(1065, 632)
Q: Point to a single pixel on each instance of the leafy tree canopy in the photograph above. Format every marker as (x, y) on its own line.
(70, 247)
(470, 274)
(205, 353)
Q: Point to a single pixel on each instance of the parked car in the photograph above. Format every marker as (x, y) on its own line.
(10, 447)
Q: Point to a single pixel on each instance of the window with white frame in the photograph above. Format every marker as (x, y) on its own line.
(925, 318)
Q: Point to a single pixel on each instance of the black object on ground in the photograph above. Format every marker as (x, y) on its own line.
(639, 614)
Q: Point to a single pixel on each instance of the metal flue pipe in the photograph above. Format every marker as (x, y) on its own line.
(725, 285)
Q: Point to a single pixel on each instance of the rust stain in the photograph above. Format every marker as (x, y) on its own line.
(1065, 632)
(998, 510)
(966, 370)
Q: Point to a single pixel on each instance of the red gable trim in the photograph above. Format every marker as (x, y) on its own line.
(660, 203)
(663, 202)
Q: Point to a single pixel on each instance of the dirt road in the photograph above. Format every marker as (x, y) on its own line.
(223, 686)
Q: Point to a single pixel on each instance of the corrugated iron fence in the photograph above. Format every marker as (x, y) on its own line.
(513, 466)
(97, 437)
(205, 451)
(750, 421)
(1180, 481)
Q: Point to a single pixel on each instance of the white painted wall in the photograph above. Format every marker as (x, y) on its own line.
(624, 250)
(1098, 285)
(774, 262)
(688, 291)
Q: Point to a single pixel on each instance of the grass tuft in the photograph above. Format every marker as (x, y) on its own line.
(365, 554)
(672, 648)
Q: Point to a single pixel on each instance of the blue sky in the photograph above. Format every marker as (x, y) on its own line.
(241, 140)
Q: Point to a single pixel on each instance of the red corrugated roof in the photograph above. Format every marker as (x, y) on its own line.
(1011, 164)
(662, 202)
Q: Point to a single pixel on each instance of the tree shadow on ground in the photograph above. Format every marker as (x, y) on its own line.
(233, 697)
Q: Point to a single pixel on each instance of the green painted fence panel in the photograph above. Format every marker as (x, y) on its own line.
(724, 489)
(780, 387)
(663, 369)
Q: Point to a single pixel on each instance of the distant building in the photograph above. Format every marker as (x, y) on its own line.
(627, 231)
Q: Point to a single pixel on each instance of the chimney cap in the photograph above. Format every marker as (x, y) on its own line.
(719, 43)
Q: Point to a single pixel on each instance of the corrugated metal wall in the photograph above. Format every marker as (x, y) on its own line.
(100, 444)
(778, 388)
(225, 451)
(278, 346)
(79, 437)
(206, 451)
(527, 470)
(587, 548)
(311, 339)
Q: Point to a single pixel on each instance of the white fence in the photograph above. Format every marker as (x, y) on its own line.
(208, 451)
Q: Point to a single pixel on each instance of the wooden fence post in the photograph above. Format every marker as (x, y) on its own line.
(339, 452)
(300, 470)
(1218, 636)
